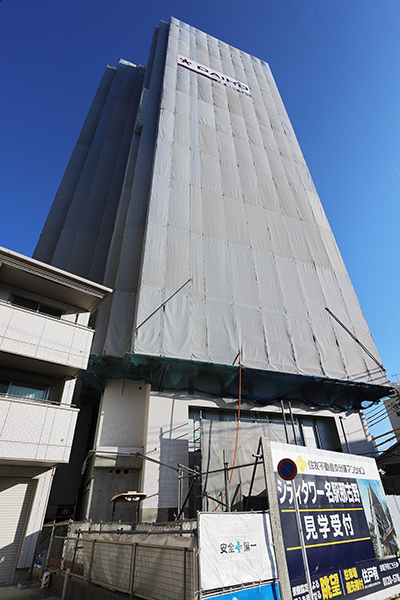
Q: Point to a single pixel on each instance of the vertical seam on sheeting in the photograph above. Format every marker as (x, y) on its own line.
(122, 156)
(203, 298)
(268, 112)
(227, 244)
(124, 201)
(332, 270)
(158, 81)
(95, 148)
(310, 319)
(329, 321)
(361, 354)
(249, 237)
(154, 81)
(192, 56)
(285, 315)
(283, 219)
(106, 84)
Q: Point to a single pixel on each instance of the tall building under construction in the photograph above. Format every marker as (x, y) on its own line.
(188, 195)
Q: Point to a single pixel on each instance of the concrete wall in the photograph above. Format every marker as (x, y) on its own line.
(123, 416)
(356, 432)
(156, 423)
(121, 433)
(167, 442)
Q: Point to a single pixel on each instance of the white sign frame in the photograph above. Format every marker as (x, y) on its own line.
(235, 549)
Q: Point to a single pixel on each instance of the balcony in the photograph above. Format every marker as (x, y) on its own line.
(31, 335)
(36, 431)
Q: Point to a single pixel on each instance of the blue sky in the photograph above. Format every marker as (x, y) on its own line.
(337, 68)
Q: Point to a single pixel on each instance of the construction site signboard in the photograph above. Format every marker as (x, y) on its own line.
(235, 549)
(349, 536)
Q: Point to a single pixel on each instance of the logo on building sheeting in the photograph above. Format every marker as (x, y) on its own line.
(230, 82)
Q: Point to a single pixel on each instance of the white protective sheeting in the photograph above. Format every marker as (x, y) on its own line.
(235, 549)
(79, 227)
(190, 169)
(233, 207)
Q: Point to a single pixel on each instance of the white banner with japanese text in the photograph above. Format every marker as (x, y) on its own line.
(234, 549)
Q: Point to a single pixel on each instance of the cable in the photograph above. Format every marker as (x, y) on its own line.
(385, 410)
(379, 421)
(387, 21)
(162, 305)
(382, 407)
(237, 427)
(355, 73)
(378, 418)
(376, 361)
(378, 415)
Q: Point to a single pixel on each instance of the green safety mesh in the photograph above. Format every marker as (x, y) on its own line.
(263, 387)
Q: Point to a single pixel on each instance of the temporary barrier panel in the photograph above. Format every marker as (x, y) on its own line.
(234, 549)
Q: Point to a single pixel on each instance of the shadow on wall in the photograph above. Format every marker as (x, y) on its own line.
(173, 451)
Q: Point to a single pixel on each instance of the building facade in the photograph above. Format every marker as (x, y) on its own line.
(45, 342)
(188, 195)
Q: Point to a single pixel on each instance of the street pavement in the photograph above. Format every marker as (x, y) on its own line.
(30, 592)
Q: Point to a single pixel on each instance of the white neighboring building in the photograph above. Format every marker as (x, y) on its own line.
(45, 342)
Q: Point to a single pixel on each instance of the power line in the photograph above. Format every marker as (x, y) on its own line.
(358, 77)
(382, 409)
(378, 418)
(387, 21)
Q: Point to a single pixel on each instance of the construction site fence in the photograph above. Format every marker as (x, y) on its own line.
(149, 571)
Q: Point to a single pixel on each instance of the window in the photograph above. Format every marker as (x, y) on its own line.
(195, 429)
(19, 389)
(325, 434)
(278, 433)
(39, 307)
(275, 423)
(311, 432)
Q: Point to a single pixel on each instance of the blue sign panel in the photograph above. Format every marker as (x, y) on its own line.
(269, 591)
(341, 545)
(335, 530)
